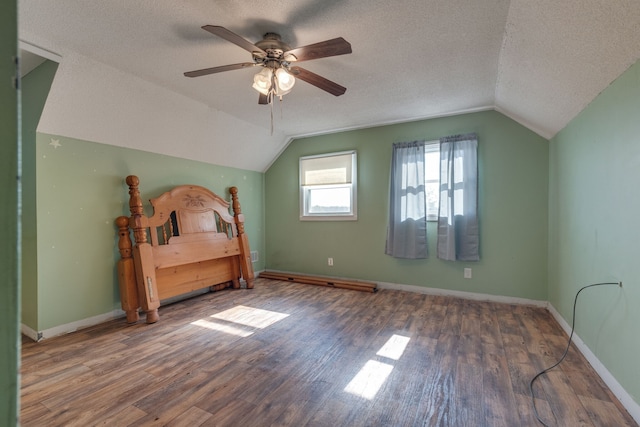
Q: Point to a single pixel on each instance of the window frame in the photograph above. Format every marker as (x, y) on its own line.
(352, 215)
(432, 147)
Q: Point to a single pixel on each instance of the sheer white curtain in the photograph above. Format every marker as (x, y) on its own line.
(407, 230)
(458, 230)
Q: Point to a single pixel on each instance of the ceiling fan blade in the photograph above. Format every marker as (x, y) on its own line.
(213, 70)
(263, 99)
(235, 39)
(333, 47)
(318, 81)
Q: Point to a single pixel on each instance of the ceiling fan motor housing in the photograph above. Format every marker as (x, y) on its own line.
(274, 46)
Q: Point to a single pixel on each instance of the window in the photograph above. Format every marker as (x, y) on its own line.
(328, 187)
(437, 181)
(432, 178)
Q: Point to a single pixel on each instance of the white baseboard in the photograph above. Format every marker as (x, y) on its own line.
(70, 327)
(437, 291)
(462, 294)
(31, 333)
(625, 398)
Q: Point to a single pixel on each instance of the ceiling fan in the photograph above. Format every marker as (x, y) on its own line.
(275, 57)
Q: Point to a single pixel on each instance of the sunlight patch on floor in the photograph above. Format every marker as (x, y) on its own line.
(394, 347)
(368, 381)
(374, 373)
(248, 316)
(240, 320)
(222, 327)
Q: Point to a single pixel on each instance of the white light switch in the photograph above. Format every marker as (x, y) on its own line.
(467, 273)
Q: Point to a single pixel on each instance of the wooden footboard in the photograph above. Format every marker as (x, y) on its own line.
(190, 242)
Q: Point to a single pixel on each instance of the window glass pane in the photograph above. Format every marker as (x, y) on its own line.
(432, 179)
(432, 160)
(329, 200)
(432, 193)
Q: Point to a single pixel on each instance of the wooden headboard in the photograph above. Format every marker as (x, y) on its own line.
(190, 242)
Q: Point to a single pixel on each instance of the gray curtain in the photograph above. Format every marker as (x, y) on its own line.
(407, 231)
(458, 231)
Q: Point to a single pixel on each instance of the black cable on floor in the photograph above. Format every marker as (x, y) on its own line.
(573, 324)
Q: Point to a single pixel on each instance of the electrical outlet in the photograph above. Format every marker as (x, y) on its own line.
(330, 262)
(467, 273)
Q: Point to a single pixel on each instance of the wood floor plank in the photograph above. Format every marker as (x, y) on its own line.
(170, 402)
(437, 403)
(96, 381)
(337, 410)
(499, 399)
(515, 348)
(32, 414)
(469, 394)
(192, 417)
(507, 321)
(287, 354)
(303, 402)
(527, 415)
(603, 413)
(123, 417)
(230, 388)
(435, 317)
(48, 386)
(468, 349)
(104, 403)
(237, 412)
(564, 403)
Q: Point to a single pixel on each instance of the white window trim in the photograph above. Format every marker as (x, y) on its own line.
(353, 215)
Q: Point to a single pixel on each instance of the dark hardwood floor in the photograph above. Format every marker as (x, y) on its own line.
(286, 354)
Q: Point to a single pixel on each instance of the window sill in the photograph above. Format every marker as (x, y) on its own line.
(329, 218)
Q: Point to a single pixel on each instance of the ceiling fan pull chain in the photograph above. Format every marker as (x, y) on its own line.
(281, 108)
(271, 108)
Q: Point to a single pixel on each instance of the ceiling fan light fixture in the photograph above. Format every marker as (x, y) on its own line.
(284, 82)
(278, 82)
(262, 81)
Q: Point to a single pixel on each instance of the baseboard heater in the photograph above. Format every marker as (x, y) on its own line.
(321, 281)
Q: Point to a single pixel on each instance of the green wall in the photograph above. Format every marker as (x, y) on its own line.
(593, 211)
(80, 192)
(35, 88)
(513, 194)
(9, 218)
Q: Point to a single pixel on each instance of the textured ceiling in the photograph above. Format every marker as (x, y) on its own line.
(540, 62)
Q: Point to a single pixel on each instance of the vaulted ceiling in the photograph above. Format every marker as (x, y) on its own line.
(539, 62)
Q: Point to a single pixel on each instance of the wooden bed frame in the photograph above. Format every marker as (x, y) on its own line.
(194, 243)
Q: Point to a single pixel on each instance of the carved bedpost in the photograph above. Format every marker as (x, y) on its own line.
(237, 211)
(136, 209)
(143, 254)
(245, 252)
(126, 272)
